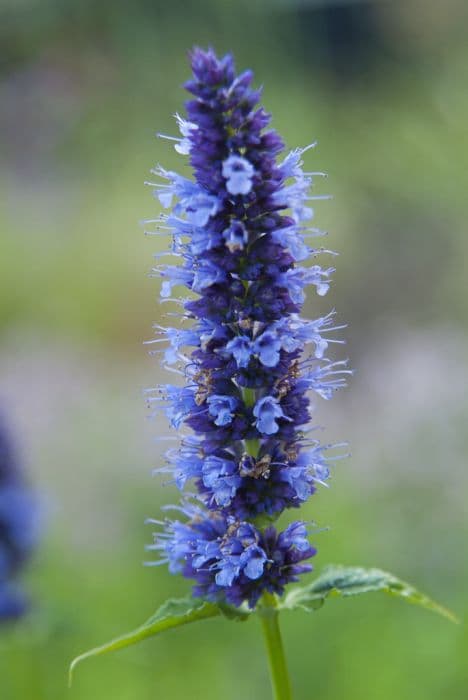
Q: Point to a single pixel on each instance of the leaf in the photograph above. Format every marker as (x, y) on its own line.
(237, 614)
(354, 580)
(173, 613)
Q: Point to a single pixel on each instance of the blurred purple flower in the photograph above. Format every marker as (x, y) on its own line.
(17, 530)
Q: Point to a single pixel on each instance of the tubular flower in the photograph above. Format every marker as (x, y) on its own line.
(17, 530)
(241, 230)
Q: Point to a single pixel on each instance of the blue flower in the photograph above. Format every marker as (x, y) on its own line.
(206, 274)
(294, 280)
(177, 276)
(200, 207)
(179, 338)
(266, 411)
(184, 145)
(238, 173)
(267, 346)
(236, 236)
(221, 408)
(181, 403)
(221, 477)
(184, 464)
(240, 347)
(290, 239)
(249, 360)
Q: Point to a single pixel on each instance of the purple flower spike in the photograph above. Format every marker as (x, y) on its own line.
(239, 230)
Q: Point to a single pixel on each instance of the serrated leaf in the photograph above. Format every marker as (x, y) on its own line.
(354, 580)
(173, 613)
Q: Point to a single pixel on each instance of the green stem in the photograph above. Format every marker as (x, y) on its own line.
(276, 659)
(252, 447)
(249, 396)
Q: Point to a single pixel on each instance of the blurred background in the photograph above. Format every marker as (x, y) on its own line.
(84, 86)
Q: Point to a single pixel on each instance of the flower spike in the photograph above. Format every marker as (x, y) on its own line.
(239, 229)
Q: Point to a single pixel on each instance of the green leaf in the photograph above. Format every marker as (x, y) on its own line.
(173, 613)
(354, 580)
(237, 614)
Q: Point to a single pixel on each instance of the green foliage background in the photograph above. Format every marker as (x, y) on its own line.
(83, 88)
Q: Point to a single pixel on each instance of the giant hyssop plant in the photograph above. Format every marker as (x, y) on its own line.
(241, 229)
